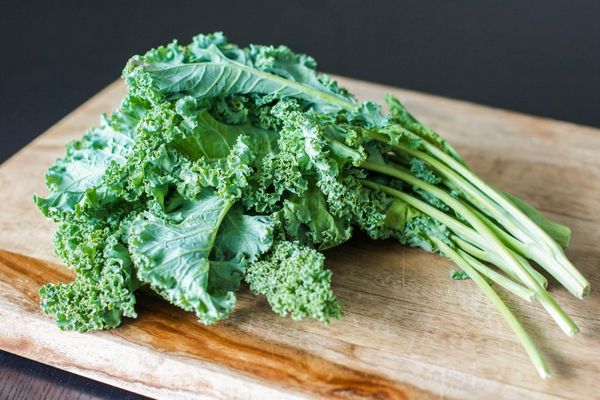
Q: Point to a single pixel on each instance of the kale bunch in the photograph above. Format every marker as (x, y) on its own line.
(225, 164)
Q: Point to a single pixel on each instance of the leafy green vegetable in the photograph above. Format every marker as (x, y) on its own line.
(295, 282)
(203, 70)
(224, 164)
(69, 179)
(103, 291)
(173, 253)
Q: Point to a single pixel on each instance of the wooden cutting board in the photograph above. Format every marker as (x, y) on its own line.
(409, 332)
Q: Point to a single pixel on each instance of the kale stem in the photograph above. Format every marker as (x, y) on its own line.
(555, 311)
(480, 194)
(517, 248)
(486, 255)
(463, 231)
(506, 237)
(472, 193)
(534, 354)
(536, 233)
(481, 254)
(513, 287)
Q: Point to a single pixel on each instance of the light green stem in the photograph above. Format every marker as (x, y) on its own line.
(469, 234)
(531, 252)
(517, 224)
(481, 254)
(513, 287)
(555, 254)
(513, 247)
(534, 354)
(555, 311)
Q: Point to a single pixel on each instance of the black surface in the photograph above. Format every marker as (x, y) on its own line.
(539, 57)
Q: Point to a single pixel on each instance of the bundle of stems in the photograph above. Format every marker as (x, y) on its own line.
(487, 227)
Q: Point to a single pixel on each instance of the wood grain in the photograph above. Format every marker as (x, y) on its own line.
(409, 332)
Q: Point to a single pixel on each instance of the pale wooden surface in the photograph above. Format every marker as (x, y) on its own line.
(408, 331)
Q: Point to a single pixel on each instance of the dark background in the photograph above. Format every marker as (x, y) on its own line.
(537, 57)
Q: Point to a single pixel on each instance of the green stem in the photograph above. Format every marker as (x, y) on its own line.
(556, 254)
(535, 254)
(471, 192)
(518, 249)
(506, 237)
(460, 229)
(524, 338)
(481, 254)
(561, 318)
(513, 287)
(486, 255)
(516, 225)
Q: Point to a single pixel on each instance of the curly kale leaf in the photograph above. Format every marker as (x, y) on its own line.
(311, 145)
(210, 68)
(308, 220)
(103, 291)
(282, 61)
(223, 155)
(201, 135)
(70, 178)
(295, 282)
(239, 233)
(186, 258)
(414, 228)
